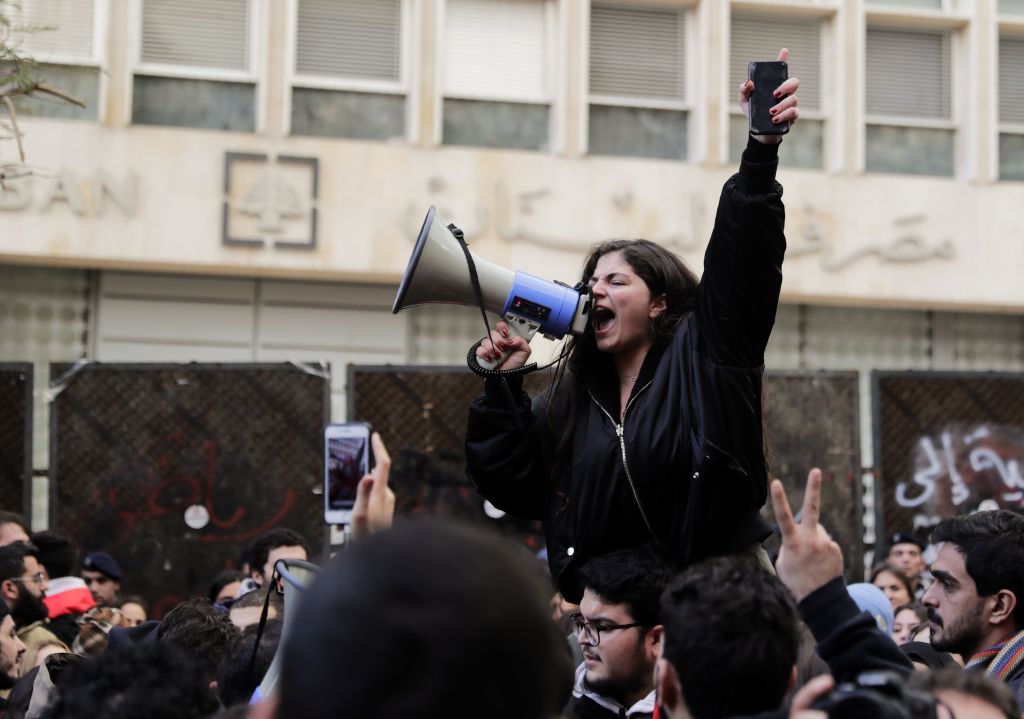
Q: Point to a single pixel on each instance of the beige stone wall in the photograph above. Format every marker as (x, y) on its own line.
(152, 198)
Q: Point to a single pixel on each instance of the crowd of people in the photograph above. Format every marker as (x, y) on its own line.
(645, 462)
(432, 618)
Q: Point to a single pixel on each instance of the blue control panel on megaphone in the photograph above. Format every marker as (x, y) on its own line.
(439, 272)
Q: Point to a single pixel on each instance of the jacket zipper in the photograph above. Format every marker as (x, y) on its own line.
(620, 430)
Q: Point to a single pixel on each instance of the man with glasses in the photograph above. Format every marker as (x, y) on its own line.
(23, 584)
(619, 631)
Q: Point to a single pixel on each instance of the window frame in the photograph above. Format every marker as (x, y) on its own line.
(954, 30)
(99, 60)
(403, 87)
(1013, 29)
(255, 74)
(554, 21)
(957, 25)
(824, 13)
(690, 10)
(947, 7)
(100, 14)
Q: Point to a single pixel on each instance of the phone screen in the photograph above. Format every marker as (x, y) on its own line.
(766, 76)
(346, 465)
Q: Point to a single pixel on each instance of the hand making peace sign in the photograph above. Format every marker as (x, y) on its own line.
(808, 559)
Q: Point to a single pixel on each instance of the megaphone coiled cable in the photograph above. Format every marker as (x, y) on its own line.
(479, 369)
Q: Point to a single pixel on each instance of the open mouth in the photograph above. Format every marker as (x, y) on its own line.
(603, 318)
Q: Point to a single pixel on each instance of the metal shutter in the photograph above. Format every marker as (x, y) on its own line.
(1011, 80)
(637, 52)
(908, 73)
(349, 38)
(196, 33)
(496, 49)
(760, 37)
(69, 32)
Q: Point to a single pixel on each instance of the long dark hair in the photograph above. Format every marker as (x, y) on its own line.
(664, 274)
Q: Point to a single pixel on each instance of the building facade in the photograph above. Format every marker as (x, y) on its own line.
(249, 175)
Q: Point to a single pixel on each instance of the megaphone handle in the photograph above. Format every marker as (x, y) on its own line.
(518, 326)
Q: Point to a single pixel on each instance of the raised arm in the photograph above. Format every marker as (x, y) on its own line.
(810, 564)
(739, 290)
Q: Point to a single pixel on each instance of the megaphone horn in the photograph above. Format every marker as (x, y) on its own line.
(438, 272)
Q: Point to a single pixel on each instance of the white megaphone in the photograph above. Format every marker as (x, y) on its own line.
(439, 272)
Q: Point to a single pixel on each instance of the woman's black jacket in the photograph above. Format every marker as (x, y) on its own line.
(686, 464)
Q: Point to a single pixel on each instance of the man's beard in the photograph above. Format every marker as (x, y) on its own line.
(621, 687)
(964, 636)
(6, 680)
(28, 608)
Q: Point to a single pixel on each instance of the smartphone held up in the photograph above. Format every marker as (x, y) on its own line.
(766, 76)
(347, 459)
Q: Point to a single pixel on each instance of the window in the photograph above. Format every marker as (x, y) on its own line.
(759, 37)
(497, 89)
(1011, 7)
(1011, 108)
(348, 77)
(638, 82)
(62, 38)
(195, 66)
(926, 4)
(910, 128)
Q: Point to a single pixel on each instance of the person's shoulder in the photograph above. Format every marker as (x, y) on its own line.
(37, 632)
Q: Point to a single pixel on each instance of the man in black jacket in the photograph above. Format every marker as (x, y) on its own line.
(730, 641)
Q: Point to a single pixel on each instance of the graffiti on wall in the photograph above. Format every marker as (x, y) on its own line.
(966, 468)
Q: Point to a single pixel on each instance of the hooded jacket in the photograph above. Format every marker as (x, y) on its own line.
(684, 469)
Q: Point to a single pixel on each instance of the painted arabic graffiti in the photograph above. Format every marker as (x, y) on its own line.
(175, 477)
(966, 468)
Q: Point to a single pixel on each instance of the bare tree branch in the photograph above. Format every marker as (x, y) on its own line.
(50, 90)
(14, 126)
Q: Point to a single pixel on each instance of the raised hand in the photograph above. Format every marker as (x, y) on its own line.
(808, 559)
(375, 502)
(817, 688)
(785, 111)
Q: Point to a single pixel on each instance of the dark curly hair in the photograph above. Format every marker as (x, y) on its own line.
(635, 577)
(730, 623)
(155, 680)
(203, 631)
(992, 545)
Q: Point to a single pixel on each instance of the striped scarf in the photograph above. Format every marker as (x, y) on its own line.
(1001, 660)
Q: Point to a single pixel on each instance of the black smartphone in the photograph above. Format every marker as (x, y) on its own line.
(347, 459)
(767, 76)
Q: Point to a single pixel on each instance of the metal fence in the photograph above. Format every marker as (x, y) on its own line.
(421, 412)
(174, 468)
(812, 420)
(946, 444)
(16, 437)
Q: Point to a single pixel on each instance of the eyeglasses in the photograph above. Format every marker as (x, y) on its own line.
(38, 578)
(592, 632)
